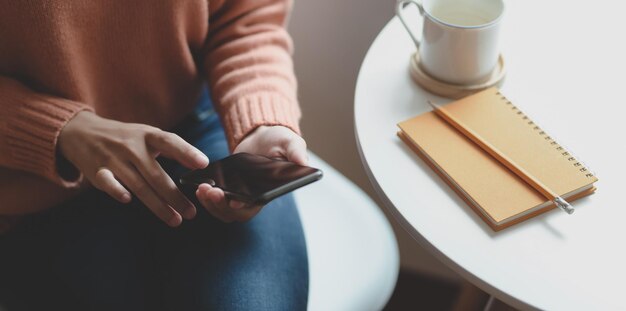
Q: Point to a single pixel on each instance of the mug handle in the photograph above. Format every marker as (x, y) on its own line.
(399, 9)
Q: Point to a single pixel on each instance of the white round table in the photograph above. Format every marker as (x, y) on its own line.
(566, 65)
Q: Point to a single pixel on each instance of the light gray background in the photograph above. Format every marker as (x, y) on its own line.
(331, 38)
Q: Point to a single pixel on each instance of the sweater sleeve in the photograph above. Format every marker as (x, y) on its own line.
(30, 124)
(249, 66)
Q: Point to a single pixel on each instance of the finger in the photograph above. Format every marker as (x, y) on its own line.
(105, 181)
(142, 190)
(216, 196)
(206, 203)
(237, 204)
(221, 207)
(296, 151)
(172, 146)
(165, 187)
(213, 200)
(247, 213)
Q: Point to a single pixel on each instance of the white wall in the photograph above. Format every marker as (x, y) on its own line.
(331, 38)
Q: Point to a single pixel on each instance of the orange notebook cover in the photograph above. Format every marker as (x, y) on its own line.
(494, 191)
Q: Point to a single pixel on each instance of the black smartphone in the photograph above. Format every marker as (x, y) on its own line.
(252, 178)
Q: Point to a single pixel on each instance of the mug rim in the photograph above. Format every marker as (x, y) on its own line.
(451, 25)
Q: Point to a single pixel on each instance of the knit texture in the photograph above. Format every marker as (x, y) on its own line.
(138, 61)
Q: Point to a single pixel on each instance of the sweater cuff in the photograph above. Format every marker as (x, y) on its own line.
(32, 136)
(247, 113)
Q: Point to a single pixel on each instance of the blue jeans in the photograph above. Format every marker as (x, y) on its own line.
(93, 253)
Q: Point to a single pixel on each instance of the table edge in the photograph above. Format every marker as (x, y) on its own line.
(413, 232)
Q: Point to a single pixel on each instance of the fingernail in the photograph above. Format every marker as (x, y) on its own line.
(200, 194)
(125, 197)
(236, 205)
(204, 187)
(175, 221)
(189, 213)
(201, 158)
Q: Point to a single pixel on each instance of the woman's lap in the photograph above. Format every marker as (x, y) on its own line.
(262, 264)
(95, 253)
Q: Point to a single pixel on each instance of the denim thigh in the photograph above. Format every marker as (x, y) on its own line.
(93, 253)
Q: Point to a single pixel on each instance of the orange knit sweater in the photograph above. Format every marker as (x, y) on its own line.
(138, 61)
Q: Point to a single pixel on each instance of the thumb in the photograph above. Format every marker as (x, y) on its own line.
(296, 152)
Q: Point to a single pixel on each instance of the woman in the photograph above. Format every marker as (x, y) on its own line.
(103, 105)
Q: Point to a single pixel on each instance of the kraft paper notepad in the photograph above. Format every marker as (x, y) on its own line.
(494, 191)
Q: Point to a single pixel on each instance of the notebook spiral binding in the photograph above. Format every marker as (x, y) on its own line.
(579, 165)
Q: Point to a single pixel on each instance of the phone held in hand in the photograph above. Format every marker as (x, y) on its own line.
(252, 178)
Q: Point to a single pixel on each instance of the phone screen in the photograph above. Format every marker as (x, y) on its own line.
(253, 178)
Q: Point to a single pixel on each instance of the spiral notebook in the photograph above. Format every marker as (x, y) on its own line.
(497, 194)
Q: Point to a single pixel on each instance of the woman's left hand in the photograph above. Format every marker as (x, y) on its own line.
(269, 141)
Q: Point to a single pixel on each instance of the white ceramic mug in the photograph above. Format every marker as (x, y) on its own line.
(459, 42)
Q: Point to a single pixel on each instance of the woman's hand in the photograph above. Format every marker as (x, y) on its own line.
(114, 154)
(269, 141)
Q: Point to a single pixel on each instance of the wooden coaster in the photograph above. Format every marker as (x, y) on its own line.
(454, 91)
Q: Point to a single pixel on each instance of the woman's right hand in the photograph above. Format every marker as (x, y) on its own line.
(114, 154)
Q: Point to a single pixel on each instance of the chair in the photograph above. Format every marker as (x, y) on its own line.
(353, 254)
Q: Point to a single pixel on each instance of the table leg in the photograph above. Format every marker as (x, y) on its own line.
(489, 304)
(471, 298)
